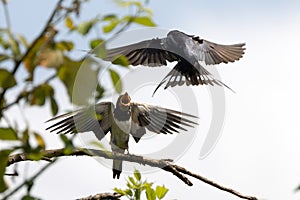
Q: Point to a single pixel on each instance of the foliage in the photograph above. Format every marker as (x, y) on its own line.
(53, 50)
(136, 187)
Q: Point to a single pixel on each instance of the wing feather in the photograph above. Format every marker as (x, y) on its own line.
(96, 119)
(158, 119)
(212, 53)
(147, 53)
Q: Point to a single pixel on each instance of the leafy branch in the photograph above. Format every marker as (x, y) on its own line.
(42, 33)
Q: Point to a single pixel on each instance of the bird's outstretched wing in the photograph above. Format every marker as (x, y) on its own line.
(148, 53)
(97, 118)
(212, 53)
(157, 120)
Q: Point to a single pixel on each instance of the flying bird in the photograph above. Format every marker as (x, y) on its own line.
(127, 118)
(187, 51)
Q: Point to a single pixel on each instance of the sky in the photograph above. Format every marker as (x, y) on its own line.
(257, 151)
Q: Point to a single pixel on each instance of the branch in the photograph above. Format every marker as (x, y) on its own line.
(25, 93)
(112, 196)
(28, 181)
(166, 165)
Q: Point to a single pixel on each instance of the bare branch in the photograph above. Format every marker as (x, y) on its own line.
(6, 13)
(112, 196)
(28, 181)
(166, 165)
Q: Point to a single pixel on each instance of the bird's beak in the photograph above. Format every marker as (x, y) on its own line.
(125, 100)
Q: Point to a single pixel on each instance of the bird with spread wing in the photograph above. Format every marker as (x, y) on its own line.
(127, 118)
(187, 51)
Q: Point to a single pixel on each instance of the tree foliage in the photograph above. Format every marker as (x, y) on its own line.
(53, 49)
(136, 187)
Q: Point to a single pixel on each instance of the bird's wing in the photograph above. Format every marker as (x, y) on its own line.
(212, 53)
(148, 53)
(97, 118)
(158, 120)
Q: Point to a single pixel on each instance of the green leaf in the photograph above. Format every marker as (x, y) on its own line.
(94, 43)
(67, 74)
(65, 140)
(25, 141)
(137, 175)
(8, 134)
(69, 23)
(80, 86)
(111, 26)
(35, 156)
(99, 92)
(100, 51)
(23, 40)
(116, 80)
(85, 27)
(30, 61)
(54, 106)
(65, 45)
(121, 60)
(161, 191)
(145, 21)
(3, 57)
(131, 3)
(128, 192)
(38, 96)
(3, 161)
(131, 179)
(7, 80)
(109, 17)
(98, 144)
(40, 140)
(119, 191)
(14, 45)
(150, 194)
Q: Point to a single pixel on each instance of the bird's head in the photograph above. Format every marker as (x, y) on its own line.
(124, 102)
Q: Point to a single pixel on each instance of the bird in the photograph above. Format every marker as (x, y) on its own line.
(186, 50)
(125, 119)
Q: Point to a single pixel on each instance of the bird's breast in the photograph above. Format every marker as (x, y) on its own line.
(124, 126)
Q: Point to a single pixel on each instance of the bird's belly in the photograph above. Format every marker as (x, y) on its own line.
(124, 126)
(120, 135)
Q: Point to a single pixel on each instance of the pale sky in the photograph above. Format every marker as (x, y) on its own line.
(258, 151)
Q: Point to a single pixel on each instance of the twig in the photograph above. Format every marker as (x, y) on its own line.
(6, 13)
(28, 181)
(12, 174)
(24, 93)
(212, 183)
(176, 170)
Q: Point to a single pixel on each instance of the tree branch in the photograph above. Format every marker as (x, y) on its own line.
(28, 181)
(166, 165)
(102, 196)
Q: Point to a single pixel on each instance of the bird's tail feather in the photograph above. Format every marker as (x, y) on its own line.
(193, 75)
(117, 168)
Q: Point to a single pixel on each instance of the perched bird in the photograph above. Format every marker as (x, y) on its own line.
(186, 50)
(127, 118)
